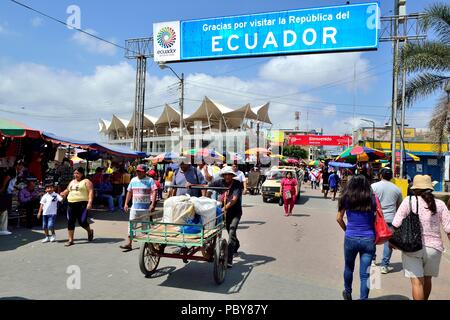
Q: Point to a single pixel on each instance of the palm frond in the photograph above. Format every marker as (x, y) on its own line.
(433, 56)
(423, 85)
(437, 17)
(440, 121)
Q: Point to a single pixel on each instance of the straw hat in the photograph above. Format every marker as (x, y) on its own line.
(422, 183)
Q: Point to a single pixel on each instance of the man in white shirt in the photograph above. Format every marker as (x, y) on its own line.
(390, 198)
(207, 171)
(240, 176)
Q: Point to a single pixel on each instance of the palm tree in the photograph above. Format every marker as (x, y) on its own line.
(429, 63)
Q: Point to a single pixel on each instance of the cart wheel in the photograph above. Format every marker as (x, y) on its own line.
(220, 260)
(148, 259)
(208, 251)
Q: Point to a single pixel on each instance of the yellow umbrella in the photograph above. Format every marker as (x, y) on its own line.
(257, 150)
(76, 159)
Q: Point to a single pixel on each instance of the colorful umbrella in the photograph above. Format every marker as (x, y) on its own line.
(233, 156)
(279, 156)
(204, 153)
(166, 157)
(359, 153)
(11, 128)
(257, 150)
(409, 157)
(315, 163)
(292, 161)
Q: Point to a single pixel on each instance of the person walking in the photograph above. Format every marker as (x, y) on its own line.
(48, 210)
(168, 178)
(421, 266)
(390, 198)
(6, 190)
(333, 181)
(232, 207)
(186, 176)
(359, 205)
(80, 195)
(289, 191)
(142, 192)
(325, 182)
(313, 178)
(240, 176)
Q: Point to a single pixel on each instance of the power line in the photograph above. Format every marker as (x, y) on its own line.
(252, 95)
(69, 26)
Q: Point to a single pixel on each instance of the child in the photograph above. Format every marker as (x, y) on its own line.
(49, 208)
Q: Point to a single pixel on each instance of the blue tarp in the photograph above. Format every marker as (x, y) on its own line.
(341, 165)
(91, 145)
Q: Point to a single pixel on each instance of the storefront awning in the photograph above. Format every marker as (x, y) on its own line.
(91, 145)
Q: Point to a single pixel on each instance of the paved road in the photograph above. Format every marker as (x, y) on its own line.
(299, 257)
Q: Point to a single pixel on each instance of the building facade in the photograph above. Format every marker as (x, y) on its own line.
(212, 126)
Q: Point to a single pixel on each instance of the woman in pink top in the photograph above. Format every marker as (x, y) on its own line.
(422, 265)
(289, 193)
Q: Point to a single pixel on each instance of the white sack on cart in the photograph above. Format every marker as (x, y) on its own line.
(206, 209)
(169, 206)
(183, 212)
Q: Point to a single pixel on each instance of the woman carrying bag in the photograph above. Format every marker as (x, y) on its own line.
(423, 264)
(289, 187)
(358, 203)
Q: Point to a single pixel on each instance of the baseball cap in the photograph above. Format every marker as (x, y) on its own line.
(151, 173)
(142, 167)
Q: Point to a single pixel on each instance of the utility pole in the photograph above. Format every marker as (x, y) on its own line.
(394, 89)
(398, 28)
(182, 113)
(140, 50)
(181, 103)
(402, 132)
(257, 142)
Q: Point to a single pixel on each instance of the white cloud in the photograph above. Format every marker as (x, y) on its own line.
(60, 101)
(93, 45)
(318, 69)
(70, 104)
(37, 22)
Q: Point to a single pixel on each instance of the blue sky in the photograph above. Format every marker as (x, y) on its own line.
(56, 79)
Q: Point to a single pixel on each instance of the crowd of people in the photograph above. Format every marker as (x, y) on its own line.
(358, 204)
(75, 194)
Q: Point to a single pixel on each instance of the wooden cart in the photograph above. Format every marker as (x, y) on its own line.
(156, 236)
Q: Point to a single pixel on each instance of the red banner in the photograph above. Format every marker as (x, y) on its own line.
(305, 140)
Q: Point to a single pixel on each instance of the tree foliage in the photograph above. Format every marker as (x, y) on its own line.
(295, 152)
(428, 64)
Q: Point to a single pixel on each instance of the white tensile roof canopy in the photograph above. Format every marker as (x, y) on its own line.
(263, 113)
(212, 114)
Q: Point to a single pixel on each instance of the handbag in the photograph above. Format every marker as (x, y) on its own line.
(408, 237)
(382, 231)
(280, 202)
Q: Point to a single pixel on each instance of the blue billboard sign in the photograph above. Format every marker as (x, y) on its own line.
(329, 29)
